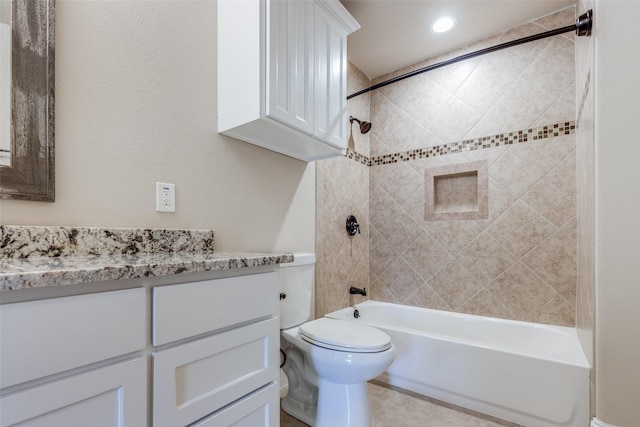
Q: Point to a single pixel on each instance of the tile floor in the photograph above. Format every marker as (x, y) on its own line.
(393, 407)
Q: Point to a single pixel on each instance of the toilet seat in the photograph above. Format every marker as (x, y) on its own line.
(341, 335)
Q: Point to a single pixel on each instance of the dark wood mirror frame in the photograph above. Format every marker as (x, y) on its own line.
(31, 175)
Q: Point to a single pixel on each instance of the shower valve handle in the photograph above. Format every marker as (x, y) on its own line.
(352, 225)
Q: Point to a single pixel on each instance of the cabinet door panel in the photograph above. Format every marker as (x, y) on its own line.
(114, 396)
(186, 310)
(331, 71)
(108, 324)
(260, 409)
(290, 63)
(197, 378)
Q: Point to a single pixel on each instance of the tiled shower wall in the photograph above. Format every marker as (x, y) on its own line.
(518, 263)
(342, 189)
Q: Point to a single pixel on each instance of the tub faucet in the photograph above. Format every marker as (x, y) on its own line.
(353, 290)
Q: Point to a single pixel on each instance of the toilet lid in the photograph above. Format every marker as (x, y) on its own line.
(342, 335)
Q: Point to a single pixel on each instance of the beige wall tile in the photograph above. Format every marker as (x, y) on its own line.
(425, 296)
(453, 235)
(559, 19)
(570, 228)
(519, 229)
(418, 97)
(381, 253)
(454, 120)
(394, 223)
(555, 261)
(481, 89)
(556, 148)
(558, 311)
(485, 258)
(426, 256)
(499, 201)
(517, 59)
(400, 180)
(520, 105)
(554, 196)
(380, 292)
(451, 77)
(553, 71)
(522, 292)
(519, 168)
(401, 280)
(485, 303)
(455, 285)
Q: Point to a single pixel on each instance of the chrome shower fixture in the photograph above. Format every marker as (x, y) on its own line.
(364, 126)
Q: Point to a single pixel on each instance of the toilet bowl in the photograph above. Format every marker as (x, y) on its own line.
(328, 361)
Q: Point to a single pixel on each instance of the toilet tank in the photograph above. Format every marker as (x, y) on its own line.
(296, 280)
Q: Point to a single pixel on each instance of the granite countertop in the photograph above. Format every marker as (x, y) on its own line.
(37, 257)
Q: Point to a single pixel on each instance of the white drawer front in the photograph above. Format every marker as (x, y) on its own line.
(40, 338)
(113, 396)
(261, 409)
(181, 311)
(197, 378)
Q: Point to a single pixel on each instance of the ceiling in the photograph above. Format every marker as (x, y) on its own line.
(396, 33)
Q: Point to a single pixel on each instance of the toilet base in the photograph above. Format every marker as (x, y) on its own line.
(304, 413)
(302, 395)
(342, 405)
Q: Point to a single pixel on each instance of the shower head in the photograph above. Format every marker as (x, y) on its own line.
(364, 126)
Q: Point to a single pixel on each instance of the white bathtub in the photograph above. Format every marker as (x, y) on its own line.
(528, 373)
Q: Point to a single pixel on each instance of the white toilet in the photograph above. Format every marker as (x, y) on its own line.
(328, 361)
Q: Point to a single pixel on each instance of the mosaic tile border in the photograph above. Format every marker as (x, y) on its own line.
(516, 137)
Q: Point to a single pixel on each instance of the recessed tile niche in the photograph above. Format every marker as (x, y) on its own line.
(457, 192)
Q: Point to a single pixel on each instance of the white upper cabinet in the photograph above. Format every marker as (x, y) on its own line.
(282, 74)
(330, 77)
(291, 64)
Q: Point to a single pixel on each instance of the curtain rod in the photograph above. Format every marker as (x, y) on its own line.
(582, 27)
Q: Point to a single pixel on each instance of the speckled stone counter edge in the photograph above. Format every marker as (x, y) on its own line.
(28, 241)
(37, 257)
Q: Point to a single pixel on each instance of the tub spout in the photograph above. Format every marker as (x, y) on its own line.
(353, 290)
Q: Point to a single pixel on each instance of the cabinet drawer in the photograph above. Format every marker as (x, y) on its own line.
(260, 409)
(112, 396)
(195, 379)
(181, 311)
(40, 338)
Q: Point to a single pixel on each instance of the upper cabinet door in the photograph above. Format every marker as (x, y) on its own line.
(330, 78)
(290, 63)
(282, 75)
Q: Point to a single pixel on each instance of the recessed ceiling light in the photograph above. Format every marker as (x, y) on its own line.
(443, 24)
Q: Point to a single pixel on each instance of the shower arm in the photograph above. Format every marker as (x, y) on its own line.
(582, 28)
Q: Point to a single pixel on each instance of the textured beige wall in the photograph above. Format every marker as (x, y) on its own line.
(617, 223)
(136, 103)
(520, 263)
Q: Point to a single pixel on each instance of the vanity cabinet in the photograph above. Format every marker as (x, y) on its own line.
(111, 396)
(200, 353)
(195, 375)
(73, 361)
(282, 75)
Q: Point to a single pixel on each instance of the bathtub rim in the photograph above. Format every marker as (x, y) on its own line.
(579, 359)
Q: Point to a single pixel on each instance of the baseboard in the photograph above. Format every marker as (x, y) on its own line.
(597, 423)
